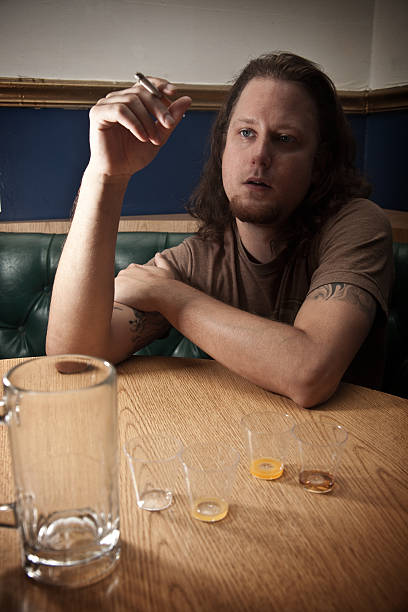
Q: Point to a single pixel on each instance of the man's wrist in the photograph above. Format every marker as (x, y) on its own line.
(173, 296)
(95, 174)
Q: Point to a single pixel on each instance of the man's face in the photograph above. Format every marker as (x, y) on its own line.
(270, 148)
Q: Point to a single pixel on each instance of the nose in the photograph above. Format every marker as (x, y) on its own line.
(262, 152)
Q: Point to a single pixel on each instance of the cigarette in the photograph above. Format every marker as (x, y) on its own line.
(144, 82)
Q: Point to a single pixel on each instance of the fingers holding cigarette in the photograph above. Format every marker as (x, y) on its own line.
(151, 93)
(147, 108)
(152, 89)
(159, 92)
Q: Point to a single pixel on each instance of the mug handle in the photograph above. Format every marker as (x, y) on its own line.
(8, 515)
(7, 511)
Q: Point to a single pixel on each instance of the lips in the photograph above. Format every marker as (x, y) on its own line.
(257, 182)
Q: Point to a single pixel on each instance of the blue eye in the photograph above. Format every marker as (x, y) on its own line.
(285, 138)
(246, 132)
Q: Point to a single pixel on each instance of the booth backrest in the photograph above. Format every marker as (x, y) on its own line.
(28, 262)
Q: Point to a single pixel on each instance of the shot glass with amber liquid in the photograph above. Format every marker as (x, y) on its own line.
(267, 437)
(321, 443)
(209, 471)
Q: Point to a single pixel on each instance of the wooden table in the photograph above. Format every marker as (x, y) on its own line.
(279, 548)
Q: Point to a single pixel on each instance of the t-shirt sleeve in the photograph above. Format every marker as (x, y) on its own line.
(355, 247)
(179, 259)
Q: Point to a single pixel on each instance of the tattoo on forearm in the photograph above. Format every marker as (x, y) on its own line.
(146, 327)
(143, 327)
(137, 324)
(347, 293)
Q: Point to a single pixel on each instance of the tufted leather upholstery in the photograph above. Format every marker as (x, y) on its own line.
(28, 263)
(27, 269)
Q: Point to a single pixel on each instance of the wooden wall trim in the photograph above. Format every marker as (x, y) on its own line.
(180, 222)
(43, 93)
(391, 98)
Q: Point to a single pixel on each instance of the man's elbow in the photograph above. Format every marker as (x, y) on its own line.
(55, 345)
(313, 387)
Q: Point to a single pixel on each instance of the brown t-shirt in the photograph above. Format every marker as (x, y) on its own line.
(354, 246)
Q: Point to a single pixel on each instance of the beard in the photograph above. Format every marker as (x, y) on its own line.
(254, 212)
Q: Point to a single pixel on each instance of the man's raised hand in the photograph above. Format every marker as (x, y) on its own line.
(128, 127)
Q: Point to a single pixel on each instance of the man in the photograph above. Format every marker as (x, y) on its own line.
(287, 282)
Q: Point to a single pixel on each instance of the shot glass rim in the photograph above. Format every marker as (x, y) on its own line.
(176, 455)
(110, 374)
(230, 465)
(264, 412)
(337, 426)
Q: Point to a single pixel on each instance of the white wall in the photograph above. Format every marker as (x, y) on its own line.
(200, 41)
(389, 59)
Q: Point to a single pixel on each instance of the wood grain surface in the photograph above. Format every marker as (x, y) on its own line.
(280, 547)
(178, 222)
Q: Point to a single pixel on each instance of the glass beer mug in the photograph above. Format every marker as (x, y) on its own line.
(61, 416)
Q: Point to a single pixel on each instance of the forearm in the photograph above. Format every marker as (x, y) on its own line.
(127, 129)
(133, 329)
(274, 355)
(82, 299)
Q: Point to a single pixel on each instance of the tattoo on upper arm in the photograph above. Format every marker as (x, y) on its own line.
(347, 293)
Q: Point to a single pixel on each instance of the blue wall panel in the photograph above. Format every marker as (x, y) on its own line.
(42, 157)
(165, 185)
(386, 159)
(44, 152)
(358, 127)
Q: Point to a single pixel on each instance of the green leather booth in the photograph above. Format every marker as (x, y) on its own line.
(28, 262)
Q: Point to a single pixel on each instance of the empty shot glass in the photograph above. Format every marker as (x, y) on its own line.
(321, 443)
(210, 471)
(154, 463)
(267, 436)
